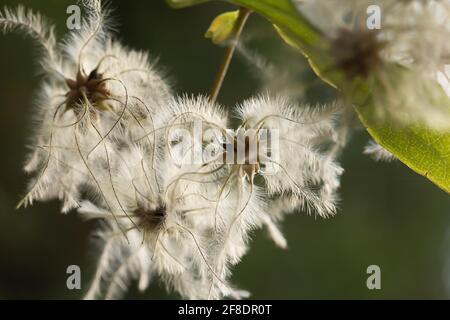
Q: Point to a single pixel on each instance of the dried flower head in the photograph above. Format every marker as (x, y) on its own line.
(300, 170)
(404, 56)
(93, 87)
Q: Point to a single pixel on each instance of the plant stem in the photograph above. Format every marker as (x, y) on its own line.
(244, 13)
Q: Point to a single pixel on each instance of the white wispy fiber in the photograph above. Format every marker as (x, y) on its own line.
(112, 141)
(36, 26)
(406, 56)
(378, 153)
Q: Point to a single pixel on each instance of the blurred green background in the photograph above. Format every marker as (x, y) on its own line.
(389, 216)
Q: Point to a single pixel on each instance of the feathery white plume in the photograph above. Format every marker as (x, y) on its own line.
(377, 152)
(94, 87)
(300, 170)
(406, 55)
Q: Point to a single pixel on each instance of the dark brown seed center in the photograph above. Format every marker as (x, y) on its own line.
(358, 52)
(91, 87)
(151, 220)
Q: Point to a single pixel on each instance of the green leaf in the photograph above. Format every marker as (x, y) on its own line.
(284, 15)
(178, 4)
(223, 26)
(425, 151)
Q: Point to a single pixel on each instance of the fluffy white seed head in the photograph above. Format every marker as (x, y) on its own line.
(406, 54)
(94, 88)
(299, 167)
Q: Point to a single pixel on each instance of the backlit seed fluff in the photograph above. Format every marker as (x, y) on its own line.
(377, 152)
(406, 56)
(162, 176)
(93, 87)
(300, 171)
